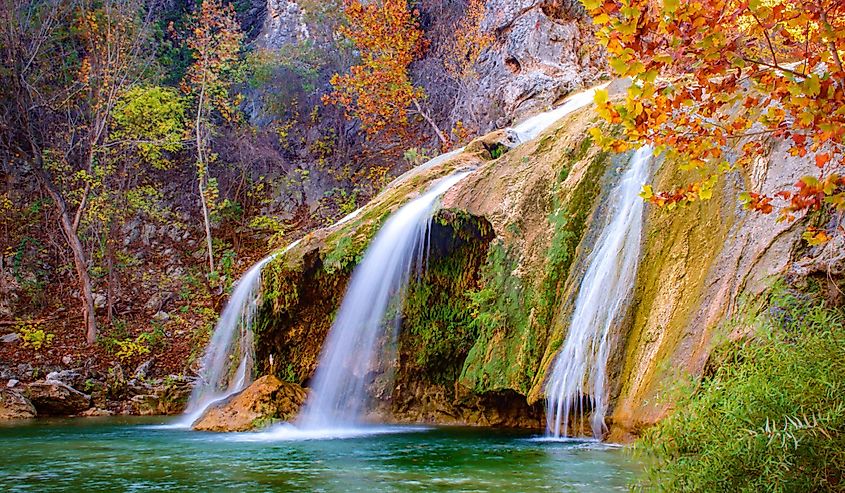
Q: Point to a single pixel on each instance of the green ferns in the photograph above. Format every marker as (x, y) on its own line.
(770, 418)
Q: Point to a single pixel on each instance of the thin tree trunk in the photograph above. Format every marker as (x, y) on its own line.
(443, 139)
(202, 176)
(79, 261)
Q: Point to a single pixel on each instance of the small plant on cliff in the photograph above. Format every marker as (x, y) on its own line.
(770, 418)
(710, 76)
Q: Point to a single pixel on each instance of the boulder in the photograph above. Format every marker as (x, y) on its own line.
(14, 405)
(167, 396)
(53, 398)
(266, 400)
(144, 405)
(96, 412)
(71, 378)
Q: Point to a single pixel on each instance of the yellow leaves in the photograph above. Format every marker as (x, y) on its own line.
(811, 85)
(601, 97)
(647, 192)
(815, 236)
(670, 6)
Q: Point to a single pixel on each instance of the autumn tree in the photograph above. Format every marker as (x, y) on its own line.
(468, 42)
(67, 63)
(379, 91)
(214, 39)
(711, 73)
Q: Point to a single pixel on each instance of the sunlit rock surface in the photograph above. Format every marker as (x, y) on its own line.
(267, 400)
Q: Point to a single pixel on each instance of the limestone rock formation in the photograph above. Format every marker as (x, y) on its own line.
(544, 50)
(54, 398)
(482, 327)
(283, 24)
(268, 399)
(14, 405)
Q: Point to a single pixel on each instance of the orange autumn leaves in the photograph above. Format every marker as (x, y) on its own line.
(378, 91)
(708, 75)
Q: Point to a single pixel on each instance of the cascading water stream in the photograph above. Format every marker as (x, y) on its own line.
(377, 286)
(579, 379)
(231, 345)
(339, 394)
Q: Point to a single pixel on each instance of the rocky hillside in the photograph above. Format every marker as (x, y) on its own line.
(482, 326)
(290, 165)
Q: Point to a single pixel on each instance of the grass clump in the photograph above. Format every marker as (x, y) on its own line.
(771, 417)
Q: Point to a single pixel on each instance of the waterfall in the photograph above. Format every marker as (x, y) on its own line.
(231, 346)
(532, 127)
(371, 306)
(579, 378)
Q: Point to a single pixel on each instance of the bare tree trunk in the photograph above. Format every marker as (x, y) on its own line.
(202, 176)
(79, 261)
(440, 135)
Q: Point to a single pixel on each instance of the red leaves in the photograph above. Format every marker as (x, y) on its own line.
(712, 73)
(757, 202)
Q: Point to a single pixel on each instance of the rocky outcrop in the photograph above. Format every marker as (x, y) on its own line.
(14, 405)
(509, 248)
(544, 50)
(57, 399)
(267, 400)
(283, 25)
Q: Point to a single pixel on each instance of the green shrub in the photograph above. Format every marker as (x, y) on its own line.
(771, 417)
(130, 349)
(34, 337)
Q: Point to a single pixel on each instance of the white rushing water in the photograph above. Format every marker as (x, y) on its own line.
(231, 346)
(532, 127)
(578, 383)
(377, 287)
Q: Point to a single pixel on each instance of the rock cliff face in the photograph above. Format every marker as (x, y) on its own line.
(544, 50)
(482, 327)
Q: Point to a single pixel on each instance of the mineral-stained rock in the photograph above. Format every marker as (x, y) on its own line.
(267, 399)
(13, 405)
(57, 399)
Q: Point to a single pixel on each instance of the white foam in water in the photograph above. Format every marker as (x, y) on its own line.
(378, 284)
(225, 349)
(578, 381)
(287, 432)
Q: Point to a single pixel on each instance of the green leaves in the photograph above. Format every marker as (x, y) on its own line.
(150, 121)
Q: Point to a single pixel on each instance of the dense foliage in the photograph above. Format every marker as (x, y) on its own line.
(711, 73)
(771, 417)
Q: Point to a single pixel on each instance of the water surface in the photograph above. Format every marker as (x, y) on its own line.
(133, 454)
